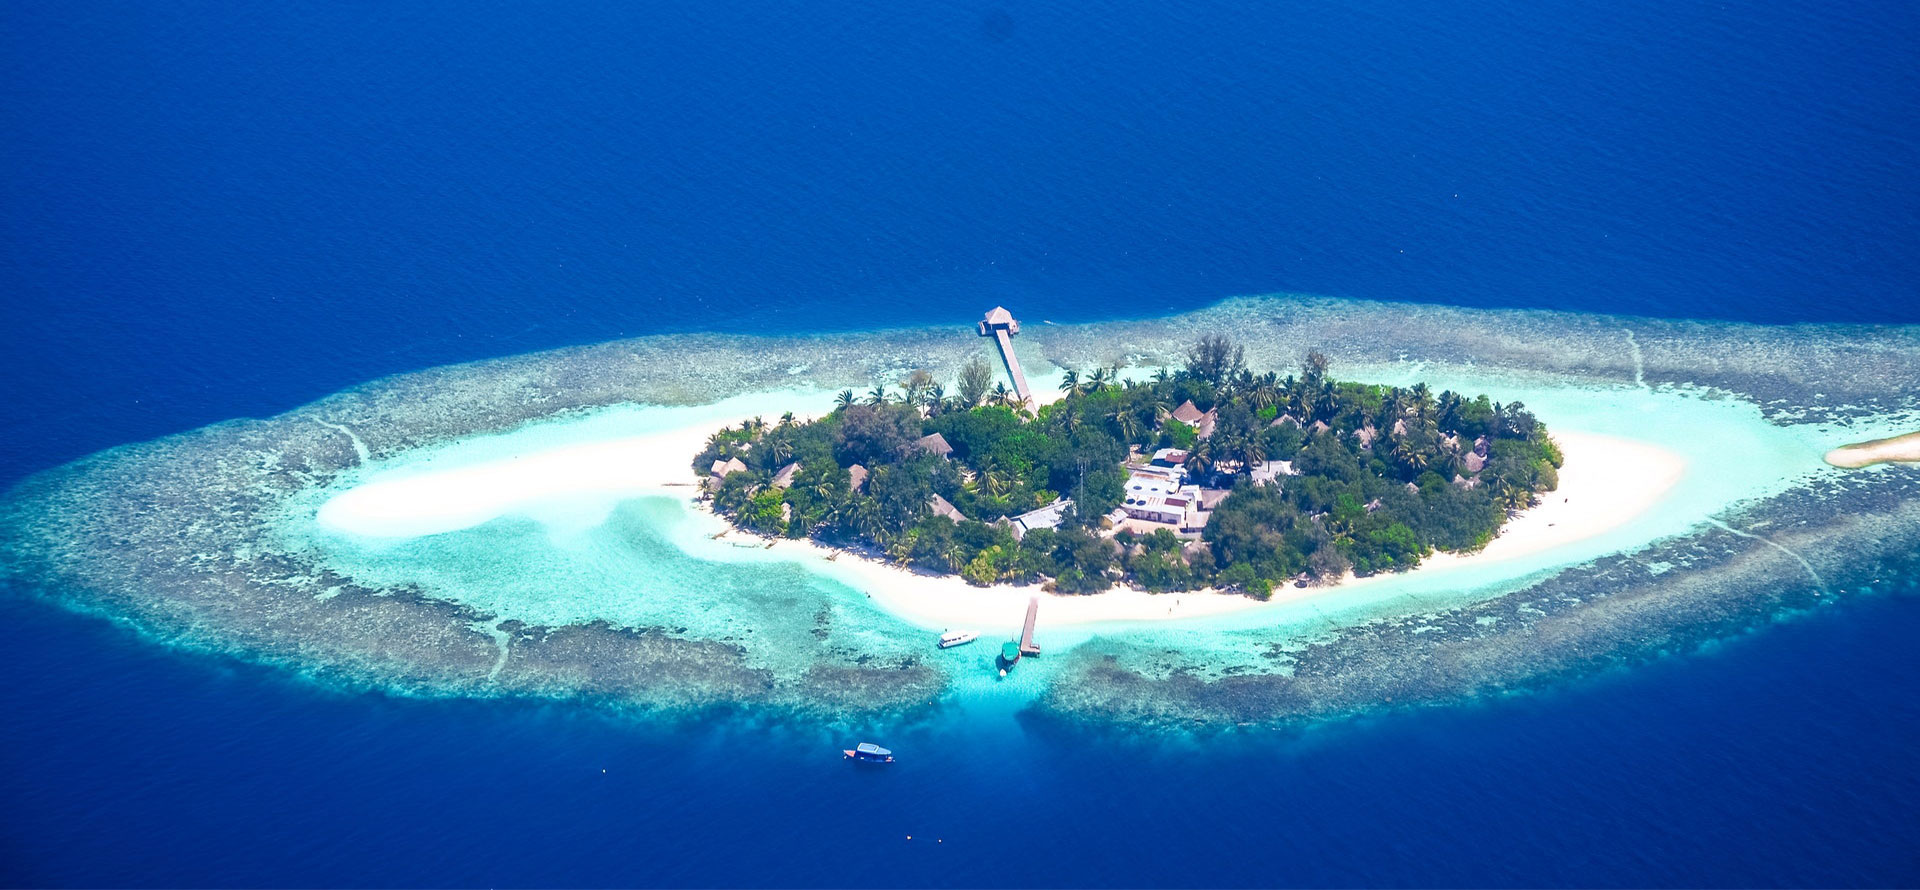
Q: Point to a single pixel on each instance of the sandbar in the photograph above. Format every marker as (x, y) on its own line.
(1897, 449)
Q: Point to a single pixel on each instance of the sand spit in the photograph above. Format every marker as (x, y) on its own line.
(185, 538)
(1897, 449)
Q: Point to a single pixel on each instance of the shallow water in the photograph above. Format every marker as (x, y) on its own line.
(214, 212)
(375, 515)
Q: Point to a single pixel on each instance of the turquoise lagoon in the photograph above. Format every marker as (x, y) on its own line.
(646, 555)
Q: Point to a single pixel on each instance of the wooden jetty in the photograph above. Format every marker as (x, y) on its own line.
(1001, 326)
(1027, 646)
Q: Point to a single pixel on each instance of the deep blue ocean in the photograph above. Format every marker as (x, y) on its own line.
(220, 210)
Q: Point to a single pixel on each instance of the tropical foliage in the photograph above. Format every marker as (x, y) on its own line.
(1355, 477)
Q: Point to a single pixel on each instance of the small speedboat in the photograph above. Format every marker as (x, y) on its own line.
(1009, 656)
(868, 752)
(954, 638)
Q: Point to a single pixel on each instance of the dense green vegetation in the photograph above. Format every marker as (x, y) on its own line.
(1384, 475)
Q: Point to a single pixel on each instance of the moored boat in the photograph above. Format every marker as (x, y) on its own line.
(868, 752)
(954, 638)
(1009, 656)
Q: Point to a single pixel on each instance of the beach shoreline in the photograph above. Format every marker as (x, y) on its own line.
(1614, 481)
(1606, 483)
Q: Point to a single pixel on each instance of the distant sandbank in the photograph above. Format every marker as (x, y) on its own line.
(1897, 449)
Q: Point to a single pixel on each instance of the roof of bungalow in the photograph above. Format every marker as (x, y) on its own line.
(731, 465)
(999, 315)
(1320, 426)
(942, 508)
(1211, 497)
(1195, 520)
(1473, 462)
(934, 443)
(856, 477)
(1170, 456)
(1188, 414)
(1048, 516)
(1285, 418)
(784, 478)
(1269, 470)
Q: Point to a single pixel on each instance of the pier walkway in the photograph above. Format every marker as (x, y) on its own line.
(1001, 326)
(1027, 646)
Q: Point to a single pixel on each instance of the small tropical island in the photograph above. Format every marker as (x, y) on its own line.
(1210, 476)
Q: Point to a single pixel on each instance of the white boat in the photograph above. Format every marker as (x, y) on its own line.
(954, 638)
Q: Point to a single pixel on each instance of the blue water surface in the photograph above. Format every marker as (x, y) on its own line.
(218, 210)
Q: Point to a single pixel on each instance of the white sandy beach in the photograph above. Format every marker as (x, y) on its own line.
(1607, 482)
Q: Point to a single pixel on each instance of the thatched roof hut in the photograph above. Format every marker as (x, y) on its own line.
(1188, 413)
(1473, 462)
(856, 477)
(1285, 420)
(731, 465)
(934, 443)
(941, 507)
(784, 478)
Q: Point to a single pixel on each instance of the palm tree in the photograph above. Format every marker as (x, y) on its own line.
(1252, 451)
(878, 396)
(1126, 423)
(867, 521)
(951, 553)
(1422, 398)
(1393, 407)
(845, 399)
(1098, 380)
(1265, 393)
(996, 482)
(1002, 396)
(786, 419)
(1448, 410)
(1070, 382)
(782, 449)
(1326, 402)
(1414, 456)
(1200, 459)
